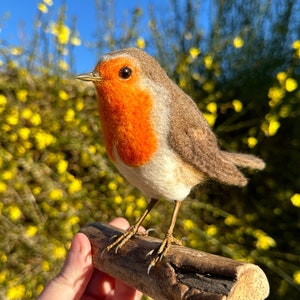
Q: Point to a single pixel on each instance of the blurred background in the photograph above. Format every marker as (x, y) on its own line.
(240, 62)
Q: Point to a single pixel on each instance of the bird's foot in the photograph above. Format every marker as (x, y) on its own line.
(122, 239)
(162, 250)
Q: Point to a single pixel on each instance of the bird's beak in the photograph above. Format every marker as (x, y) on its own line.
(92, 76)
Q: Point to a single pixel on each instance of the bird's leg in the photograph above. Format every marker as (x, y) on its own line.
(121, 240)
(169, 239)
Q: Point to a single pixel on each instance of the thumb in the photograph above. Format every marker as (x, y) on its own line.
(71, 282)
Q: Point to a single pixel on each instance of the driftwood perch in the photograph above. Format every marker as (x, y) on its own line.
(183, 274)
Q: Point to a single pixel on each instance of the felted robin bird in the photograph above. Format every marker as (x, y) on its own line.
(157, 137)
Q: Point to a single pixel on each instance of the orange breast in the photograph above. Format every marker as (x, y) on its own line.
(125, 120)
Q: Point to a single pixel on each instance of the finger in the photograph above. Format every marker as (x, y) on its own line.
(120, 223)
(123, 291)
(75, 274)
(102, 284)
(123, 224)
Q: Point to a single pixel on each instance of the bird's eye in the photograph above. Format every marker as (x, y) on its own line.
(125, 72)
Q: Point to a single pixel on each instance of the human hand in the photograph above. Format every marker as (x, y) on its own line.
(79, 280)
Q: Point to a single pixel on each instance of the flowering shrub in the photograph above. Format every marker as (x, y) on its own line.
(55, 176)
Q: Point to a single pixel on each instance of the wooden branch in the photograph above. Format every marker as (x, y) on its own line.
(183, 274)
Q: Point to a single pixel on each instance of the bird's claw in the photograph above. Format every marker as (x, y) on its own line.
(161, 251)
(120, 241)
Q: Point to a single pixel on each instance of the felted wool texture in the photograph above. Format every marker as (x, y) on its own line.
(183, 149)
(194, 141)
(125, 114)
(190, 135)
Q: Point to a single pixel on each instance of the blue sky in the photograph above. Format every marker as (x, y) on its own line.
(17, 18)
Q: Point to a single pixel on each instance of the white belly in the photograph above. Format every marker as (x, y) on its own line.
(165, 176)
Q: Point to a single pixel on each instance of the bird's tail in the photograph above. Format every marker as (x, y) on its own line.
(244, 160)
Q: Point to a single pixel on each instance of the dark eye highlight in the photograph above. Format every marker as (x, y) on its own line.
(125, 72)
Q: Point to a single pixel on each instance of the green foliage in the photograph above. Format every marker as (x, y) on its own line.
(55, 176)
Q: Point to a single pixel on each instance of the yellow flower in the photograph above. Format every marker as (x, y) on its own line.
(36, 190)
(237, 105)
(59, 252)
(273, 127)
(45, 266)
(209, 86)
(281, 77)
(21, 150)
(276, 94)
(3, 100)
(62, 166)
(238, 42)
(92, 149)
(13, 117)
(264, 242)
(64, 207)
(140, 42)
(141, 203)
(44, 139)
(43, 8)
(3, 257)
(231, 220)
(210, 118)
(16, 292)
(63, 65)
(75, 186)
(26, 113)
(48, 2)
(74, 220)
(56, 194)
(35, 119)
(295, 199)
(14, 212)
(291, 84)
(285, 111)
(3, 187)
(7, 175)
(22, 95)
(129, 199)
(24, 133)
(31, 231)
(79, 105)
(118, 199)
(211, 230)
(13, 137)
(188, 224)
(61, 31)
(212, 107)
(208, 61)
(3, 276)
(112, 186)
(194, 52)
(252, 141)
(75, 40)
(63, 95)
(16, 51)
(70, 115)
(296, 275)
(182, 82)
(296, 45)
(129, 210)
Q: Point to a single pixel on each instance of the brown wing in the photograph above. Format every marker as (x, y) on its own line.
(192, 138)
